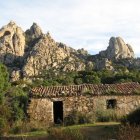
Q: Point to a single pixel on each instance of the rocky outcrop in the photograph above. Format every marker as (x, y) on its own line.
(31, 53)
(117, 49)
(34, 32)
(12, 43)
(104, 64)
(15, 75)
(32, 36)
(48, 54)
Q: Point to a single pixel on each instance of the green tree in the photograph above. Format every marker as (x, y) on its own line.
(5, 110)
(92, 79)
(78, 81)
(4, 82)
(18, 102)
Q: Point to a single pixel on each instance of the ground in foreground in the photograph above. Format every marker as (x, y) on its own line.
(97, 131)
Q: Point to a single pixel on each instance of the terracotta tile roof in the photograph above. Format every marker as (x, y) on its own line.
(86, 89)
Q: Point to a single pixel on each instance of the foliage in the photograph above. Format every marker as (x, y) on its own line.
(2, 125)
(5, 118)
(4, 79)
(13, 108)
(78, 81)
(13, 102)
(5, 111)
(77, 118)
(18, 103)
(107, 116)
(120, 75)
(65, 134)
(128, 132)
(137, 91)
(134, 117)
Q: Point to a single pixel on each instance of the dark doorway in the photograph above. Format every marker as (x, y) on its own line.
(58, 112)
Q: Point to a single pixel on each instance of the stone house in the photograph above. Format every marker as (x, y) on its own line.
(49, 104)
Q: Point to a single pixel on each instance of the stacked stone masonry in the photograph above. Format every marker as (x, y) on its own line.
(41, 108)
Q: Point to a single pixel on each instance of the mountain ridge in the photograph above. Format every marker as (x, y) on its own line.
(29, 54)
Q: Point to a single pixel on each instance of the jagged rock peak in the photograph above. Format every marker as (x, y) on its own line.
(48, 34)
(12, 43)
(12, 23)
(118, 49)
(35, 31)
(12, 26)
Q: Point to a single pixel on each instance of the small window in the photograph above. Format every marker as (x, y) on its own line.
(111, 104)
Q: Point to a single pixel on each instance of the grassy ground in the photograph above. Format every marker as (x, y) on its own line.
(101, 131)
(97, 131)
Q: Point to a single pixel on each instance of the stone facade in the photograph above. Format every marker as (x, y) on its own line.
(42, 109)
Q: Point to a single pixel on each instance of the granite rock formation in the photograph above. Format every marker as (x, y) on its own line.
(48, 54)
(31, 53)
(12, 43)
(117, 49)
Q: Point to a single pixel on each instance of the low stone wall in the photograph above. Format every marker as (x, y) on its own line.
(42, 109)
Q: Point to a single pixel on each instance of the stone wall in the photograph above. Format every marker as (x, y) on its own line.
(42, 109)
(125, 104)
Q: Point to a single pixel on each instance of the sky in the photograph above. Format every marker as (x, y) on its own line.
(87, 24)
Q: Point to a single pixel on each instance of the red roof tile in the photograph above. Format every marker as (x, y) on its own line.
(86, 89)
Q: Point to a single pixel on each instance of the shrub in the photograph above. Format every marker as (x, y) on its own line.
(107, 115)
(65, 134)
(5, 119)
(3, 126)
(128, 132)
(76, 118)
(19, 127)
(134, 117)
(16, 130)
(18, 103)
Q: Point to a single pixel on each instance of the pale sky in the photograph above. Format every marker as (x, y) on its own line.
(85, 24)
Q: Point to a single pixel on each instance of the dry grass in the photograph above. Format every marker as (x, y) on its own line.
(101, 131)
(97, 131)
(128, 132)
(65, 134)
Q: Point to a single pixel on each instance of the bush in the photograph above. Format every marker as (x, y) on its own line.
(65, 134)
(5, 119)
(16, 130)
(107, 115)
(134, 117)
(18, 127)
(3, 126)
(18, 103)
(128, 132)
(76, 118)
